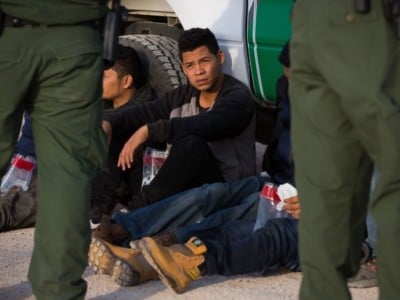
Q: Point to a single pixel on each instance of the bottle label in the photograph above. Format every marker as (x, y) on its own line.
(22, 163)
(19, 173)
(270, 192)
(153, 160)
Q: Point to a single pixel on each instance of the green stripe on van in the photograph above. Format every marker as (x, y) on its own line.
(268, 30)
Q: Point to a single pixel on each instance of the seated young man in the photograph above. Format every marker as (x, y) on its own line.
(124, 83)
(209, 123)
(123, 86)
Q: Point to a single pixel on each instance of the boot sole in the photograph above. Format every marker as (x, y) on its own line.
(362, 284)
(103, 261)
(168, 281)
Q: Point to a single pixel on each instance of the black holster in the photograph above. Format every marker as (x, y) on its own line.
(362, 6)
(390, 7)
(392, 12)
(1, 21)
(111, 32)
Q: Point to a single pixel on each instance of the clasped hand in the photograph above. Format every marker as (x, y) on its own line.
(292, 206)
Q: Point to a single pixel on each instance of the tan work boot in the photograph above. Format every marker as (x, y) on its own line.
(126, 266)
(177, 265)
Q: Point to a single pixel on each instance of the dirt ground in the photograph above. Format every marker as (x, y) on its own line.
(16, 248)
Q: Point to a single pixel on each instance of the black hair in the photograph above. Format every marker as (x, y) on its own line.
(196, 37)
(128, 63)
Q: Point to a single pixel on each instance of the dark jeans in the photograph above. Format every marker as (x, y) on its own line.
(25, 144)
(112, 185)
(195, 210)
(190, 164)
(234, 248)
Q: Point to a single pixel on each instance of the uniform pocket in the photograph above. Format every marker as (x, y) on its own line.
(10, 56)
(10, 48)
(342, 13)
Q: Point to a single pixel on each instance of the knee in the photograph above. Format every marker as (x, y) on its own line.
(191, 143)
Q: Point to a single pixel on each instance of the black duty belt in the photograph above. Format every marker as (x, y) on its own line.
(10, 21)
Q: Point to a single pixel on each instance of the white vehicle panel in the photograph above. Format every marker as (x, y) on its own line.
(147, 5)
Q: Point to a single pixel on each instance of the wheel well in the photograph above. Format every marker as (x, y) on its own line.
(159, 57)
(155, 28)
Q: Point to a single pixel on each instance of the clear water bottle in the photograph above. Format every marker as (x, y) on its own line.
(153, 159)
(270, 205)
(19, 173)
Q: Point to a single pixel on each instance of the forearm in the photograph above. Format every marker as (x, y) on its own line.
(222, 121)
(125, 121)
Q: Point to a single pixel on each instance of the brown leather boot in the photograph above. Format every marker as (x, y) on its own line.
(110, 232)
(126, 266)
(165, 239)
(177, 265)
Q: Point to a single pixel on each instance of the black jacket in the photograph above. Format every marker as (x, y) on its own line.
(228, 126)
(278, 158)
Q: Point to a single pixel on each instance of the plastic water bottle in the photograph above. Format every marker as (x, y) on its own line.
(19, 174)
(271, 203)
(153, 159)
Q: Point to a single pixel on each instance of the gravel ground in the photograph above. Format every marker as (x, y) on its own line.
(16, 248)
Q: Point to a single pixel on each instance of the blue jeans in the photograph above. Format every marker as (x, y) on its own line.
(194, 210)
(25, 144)
(234, 248)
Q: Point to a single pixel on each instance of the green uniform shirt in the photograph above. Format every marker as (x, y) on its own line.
(55, 11)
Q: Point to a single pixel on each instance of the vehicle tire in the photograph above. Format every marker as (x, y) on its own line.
(160, 59)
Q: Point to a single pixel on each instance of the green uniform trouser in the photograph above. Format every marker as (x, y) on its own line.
(55, 73)
(345, 99)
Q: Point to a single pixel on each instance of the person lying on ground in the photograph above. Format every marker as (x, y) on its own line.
(272, 246)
